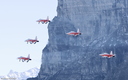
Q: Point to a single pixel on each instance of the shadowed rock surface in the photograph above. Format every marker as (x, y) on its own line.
(104, 28)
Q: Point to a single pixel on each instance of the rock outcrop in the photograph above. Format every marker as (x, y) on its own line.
(104, 28)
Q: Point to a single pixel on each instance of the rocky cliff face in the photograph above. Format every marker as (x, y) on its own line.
(104, 28)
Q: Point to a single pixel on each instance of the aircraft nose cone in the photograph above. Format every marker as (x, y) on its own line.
(37, 41)
(30, 59)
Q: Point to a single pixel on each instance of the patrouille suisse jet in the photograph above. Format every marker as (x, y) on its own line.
(32, 40)
(107, 55)
(74, 33)
(24, 58)
(43, 21)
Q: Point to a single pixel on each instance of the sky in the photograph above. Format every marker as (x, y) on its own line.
(18, 23)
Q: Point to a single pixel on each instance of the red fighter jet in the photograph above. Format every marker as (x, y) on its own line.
(32, 40)
(43, 21)
(24, 58)
(74, 33)
(107, 55)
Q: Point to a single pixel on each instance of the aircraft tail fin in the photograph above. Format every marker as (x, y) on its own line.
(111, 52)
(28, 55)
(36, 38)
(47, 17)
(78, 30)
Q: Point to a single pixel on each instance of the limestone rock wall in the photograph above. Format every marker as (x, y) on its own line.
(104, 28)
